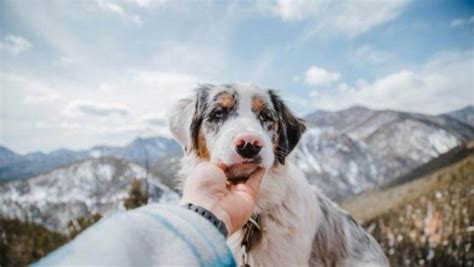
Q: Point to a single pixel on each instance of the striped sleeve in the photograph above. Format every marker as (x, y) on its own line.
(154, 235)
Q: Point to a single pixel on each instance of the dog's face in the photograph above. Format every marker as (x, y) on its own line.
(239, 127)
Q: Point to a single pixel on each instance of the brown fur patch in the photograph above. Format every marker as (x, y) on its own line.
(202, 149)
(226, 101)
(257, 104)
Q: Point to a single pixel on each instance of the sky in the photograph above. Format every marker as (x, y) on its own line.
(74, 74)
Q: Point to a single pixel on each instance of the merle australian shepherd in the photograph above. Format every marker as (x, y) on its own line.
(244, 127)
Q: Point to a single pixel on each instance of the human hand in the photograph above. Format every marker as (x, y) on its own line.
(232, 203)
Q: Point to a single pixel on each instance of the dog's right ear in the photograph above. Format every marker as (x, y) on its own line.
(186, 119)
(180, 120)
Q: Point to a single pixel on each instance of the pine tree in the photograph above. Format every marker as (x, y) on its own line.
(136, 196)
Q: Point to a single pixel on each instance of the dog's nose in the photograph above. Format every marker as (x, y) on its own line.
(248, 145)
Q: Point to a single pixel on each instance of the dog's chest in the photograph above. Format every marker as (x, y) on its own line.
(278, 245)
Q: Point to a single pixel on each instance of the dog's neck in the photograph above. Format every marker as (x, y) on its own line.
(285, 205)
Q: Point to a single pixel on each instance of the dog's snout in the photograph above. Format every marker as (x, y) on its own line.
(248, 145)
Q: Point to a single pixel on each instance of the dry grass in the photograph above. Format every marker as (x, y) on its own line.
(426, 222)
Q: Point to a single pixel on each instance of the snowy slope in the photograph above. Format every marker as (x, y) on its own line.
(6, 156)
(465, 115)
(352, 150)
(343, 152)
(79, 190)
(146, 152)
(338, 164)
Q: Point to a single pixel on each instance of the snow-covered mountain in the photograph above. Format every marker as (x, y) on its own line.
(147, 152)
(344, 152)
(94, 186)
(7, 156)
(352, 150)
(465, 115)
(338, 164)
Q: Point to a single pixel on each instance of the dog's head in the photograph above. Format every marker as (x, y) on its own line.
(239, 126)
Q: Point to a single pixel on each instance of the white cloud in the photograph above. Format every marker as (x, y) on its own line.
(15, 45)
(114, 111)
(113, 7)
(32, 91)
(205, 60)
(442, 84)
(56, 33)
(462, 21)
(350, 18)
(154, 119)
(42, 98)
(318, 76)
(167, 85)
(150, 3)
(263, 63)
(298, 9)
(94, 109)
(63, 62)
(369, 54)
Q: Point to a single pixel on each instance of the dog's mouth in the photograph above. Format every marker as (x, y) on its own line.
(240, 172)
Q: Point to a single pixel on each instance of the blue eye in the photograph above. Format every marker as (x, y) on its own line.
(218, 114)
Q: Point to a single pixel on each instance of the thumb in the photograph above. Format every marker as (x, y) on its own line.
(252, 185)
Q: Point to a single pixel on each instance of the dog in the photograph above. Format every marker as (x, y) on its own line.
(244, 127)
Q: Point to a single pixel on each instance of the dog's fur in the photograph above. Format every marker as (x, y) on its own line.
(300, 226)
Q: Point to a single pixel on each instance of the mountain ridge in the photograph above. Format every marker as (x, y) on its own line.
(343, 152)
(144, 151)
(465, 115)
(79, 190)
(372, 147)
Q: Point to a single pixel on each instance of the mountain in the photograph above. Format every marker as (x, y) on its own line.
(427, 219)
(159, 155)
(338, 164)
(147, 152)
(426, 178)
(38, 162)
(7, 156)
(363, 123)
(349, 151)
(344, 152)
(141, 150)
(465, 115)
(79, 190)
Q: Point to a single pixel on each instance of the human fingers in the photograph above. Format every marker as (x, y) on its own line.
(252, 185)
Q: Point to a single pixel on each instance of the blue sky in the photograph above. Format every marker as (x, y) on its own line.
(79, 73)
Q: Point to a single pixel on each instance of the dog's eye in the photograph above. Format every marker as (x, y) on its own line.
(265, 116)
(218, 114)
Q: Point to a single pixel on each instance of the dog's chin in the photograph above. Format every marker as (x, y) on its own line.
(240, 172)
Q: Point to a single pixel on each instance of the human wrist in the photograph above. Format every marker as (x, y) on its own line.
(215, 209)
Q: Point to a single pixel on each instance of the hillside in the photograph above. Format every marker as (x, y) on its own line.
(23, 243)
(418, 163)
(7, 156)
(353, 150)
(426, 221)
(344, 152)
(95, 186)
(149, 153)
(465, 115)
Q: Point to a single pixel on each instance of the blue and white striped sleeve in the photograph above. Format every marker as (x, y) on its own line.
(154, 235)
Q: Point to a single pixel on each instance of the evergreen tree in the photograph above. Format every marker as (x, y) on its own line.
(76, 226)
(136, 195)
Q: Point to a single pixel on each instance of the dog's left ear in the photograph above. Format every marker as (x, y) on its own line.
(291, 128)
